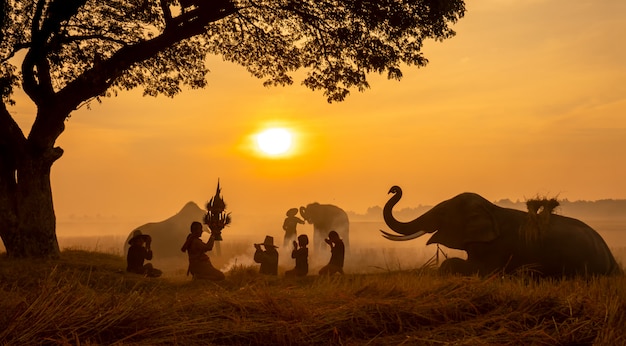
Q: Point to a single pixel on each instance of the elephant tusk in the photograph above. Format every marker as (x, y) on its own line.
(402, 237)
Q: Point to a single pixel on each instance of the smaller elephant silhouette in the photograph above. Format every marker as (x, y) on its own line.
(167, 234)
(326, 218)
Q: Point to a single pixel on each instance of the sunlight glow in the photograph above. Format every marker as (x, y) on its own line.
(274, 141)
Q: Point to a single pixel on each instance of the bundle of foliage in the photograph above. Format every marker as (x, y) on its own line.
(538, 218)
(216, 217)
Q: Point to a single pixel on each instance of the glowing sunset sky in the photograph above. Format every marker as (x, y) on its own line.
(529, 98)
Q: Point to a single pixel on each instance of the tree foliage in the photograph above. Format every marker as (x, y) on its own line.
(338, 42)
(67, 53)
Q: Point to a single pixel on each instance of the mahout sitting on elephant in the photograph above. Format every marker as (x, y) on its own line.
(498, 239)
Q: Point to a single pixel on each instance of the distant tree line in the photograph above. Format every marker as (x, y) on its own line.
(600, 209)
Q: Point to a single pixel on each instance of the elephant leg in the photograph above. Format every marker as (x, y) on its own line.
(457, 266)
(318, 239)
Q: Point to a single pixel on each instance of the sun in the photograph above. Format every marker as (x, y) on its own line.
(274, 141)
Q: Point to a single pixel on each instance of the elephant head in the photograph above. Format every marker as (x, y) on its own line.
(320, 215)
(466, 218)
(305, 216)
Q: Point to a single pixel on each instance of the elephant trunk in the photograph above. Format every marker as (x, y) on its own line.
(409, 230)
(304, 214)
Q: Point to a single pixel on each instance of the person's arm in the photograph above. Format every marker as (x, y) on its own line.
(199, 246)
(148, 254)
(331, 244)
(210, 243)
(295, 249)
(259, 255)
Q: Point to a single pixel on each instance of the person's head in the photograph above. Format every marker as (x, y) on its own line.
(269, 243)
(333, 236)
(137, 241)
(196, 228)
(138, 238)
(303, 240)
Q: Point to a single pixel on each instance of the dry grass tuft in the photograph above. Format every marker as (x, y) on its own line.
(85, 299)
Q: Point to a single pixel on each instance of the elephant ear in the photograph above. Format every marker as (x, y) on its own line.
(476, 229)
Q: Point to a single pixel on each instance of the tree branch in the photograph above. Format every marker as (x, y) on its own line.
(35, 67)
(207, 12)
(10, 133)
(100, 77)
(29, 83)
(167, 14)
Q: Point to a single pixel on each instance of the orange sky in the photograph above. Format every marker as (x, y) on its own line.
(528, 99)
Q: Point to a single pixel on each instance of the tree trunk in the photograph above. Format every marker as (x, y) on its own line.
(27, 220)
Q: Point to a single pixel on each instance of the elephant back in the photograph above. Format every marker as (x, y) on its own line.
(168, 235)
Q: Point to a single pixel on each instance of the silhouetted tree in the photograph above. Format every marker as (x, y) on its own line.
(67, 53)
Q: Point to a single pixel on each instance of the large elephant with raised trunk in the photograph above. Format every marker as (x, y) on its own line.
(326, 218)
(498, 239)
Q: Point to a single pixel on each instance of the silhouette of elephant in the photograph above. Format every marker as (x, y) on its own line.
(169, 234)
(499, 239)
(325, 218)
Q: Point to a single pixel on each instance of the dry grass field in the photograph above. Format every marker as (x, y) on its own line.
(85, 298)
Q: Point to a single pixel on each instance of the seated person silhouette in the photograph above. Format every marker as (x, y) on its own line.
(337, 250)
(138, 253)
(268, 257)
(200, 265)
(301, 254)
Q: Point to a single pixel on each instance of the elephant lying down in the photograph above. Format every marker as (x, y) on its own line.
(503, 239)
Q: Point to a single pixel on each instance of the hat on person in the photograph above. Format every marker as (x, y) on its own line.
(137, 234)
(292, 212)
(269, 241)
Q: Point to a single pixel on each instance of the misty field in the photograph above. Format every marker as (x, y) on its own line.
(85, 298)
